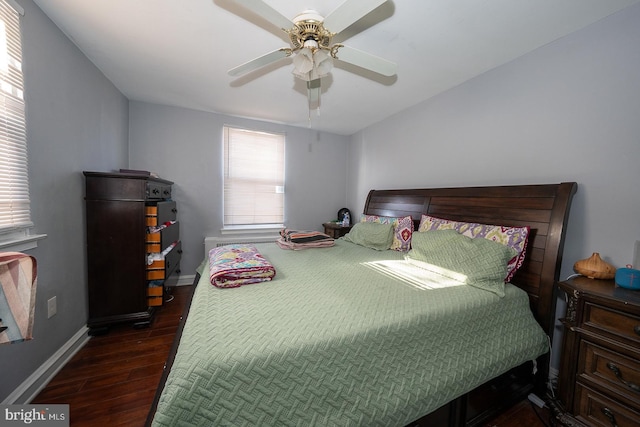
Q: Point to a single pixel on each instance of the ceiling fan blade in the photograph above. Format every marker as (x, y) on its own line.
(349, 12)
(260, 61)
(365, 60)
(262, 9)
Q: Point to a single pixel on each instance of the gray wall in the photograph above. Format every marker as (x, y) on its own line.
(569, 111)
(76, 120)
(185, 146)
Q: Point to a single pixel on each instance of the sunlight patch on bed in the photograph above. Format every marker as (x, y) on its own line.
(417, 274)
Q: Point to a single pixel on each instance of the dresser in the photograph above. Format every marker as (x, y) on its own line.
(133, 247)
(599, 374)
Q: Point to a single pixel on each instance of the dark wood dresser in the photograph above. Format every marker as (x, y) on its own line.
(133, 247)
(599, 375)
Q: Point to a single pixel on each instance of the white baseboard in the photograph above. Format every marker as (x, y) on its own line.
(30, 387)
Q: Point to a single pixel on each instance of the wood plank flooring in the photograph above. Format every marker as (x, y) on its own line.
(112, 380)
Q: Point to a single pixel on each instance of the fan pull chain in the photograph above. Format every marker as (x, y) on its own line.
(317, 113)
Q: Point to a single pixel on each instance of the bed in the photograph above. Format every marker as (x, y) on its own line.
(349, 335)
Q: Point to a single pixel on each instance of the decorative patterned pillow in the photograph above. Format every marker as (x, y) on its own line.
(514, 237)
(402, 229)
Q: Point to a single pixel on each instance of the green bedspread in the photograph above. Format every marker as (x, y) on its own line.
(335, 340)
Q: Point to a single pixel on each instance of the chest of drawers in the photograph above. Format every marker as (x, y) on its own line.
(133, 247)
(599, 375)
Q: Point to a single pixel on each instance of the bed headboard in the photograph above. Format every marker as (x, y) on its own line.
(544, 208)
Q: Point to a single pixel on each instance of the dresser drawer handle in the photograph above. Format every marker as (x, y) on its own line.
(636, 329)
(609, 414)
(614, 368)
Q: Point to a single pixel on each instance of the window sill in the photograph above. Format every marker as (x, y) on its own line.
(21, 244)
(252, 229)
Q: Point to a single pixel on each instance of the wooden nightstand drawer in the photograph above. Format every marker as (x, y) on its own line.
(610, 321)
(599, 375)
(596, 409)
(610, 371)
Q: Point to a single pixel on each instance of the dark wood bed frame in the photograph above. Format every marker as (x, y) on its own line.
(544, 208)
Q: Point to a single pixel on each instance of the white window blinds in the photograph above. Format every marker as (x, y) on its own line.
(253, 177)
(14, 177)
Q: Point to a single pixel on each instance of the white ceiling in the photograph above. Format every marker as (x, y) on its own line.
(178, 52)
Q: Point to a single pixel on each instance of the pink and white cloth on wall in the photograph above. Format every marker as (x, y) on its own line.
(18, 277)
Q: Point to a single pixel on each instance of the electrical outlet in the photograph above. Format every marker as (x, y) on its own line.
(52, 307)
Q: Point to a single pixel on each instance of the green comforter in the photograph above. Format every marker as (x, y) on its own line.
(337, 339)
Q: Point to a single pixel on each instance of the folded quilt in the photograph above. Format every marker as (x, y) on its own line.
(231, 266)
(294, 239)
(296, 246)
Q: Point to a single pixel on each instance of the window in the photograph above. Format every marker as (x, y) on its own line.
(15, 215)
(253, 177)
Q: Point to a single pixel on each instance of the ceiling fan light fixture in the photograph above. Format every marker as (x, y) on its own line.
(309, 64)
(323, 62)
(312, 44)
(303, 61)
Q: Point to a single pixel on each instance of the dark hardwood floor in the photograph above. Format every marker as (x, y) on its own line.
(112, 380)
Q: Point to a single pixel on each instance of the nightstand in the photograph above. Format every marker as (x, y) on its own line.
(599, 376)
(335, 229)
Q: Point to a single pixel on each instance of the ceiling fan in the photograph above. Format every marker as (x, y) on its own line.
(310, 35)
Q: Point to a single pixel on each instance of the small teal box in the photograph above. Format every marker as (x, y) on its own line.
(628, 278)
